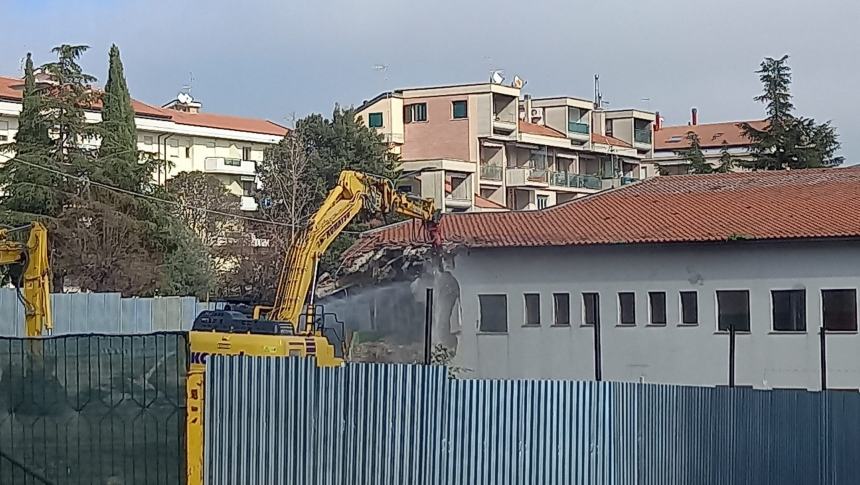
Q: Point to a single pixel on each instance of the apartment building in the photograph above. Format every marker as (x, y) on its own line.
(489, 146)
(181, 135)
(644, 283)
(671, 141)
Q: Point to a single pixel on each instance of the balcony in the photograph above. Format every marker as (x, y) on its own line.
(247, 203)
(577, 127)
(642, 135)
(574, 181)
(492, 173)
(505, 122)
(527, 177)
(628, 180)
(229, 166)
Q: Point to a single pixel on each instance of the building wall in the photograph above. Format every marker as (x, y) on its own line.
(440, 136)
(674, 353)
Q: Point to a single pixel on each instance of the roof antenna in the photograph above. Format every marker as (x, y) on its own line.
(598, 97)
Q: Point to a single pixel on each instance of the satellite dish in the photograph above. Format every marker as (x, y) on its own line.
(518, 82)
(184, 98)
(497, 77)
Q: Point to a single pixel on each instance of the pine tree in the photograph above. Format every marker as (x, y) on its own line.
(119, 161)
(694, 155)
(30, 191)
(787, 141)
(727, 163)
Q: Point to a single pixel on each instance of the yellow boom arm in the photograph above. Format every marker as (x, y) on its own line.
(355, 191)
(35, 280)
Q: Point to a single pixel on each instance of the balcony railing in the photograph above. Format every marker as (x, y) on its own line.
(527, 176)
(642, 135)
(576, 127)
(574, 180)
(232, 166)
(628, 180)
(491, 172)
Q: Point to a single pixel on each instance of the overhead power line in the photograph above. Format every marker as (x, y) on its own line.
(158, 199)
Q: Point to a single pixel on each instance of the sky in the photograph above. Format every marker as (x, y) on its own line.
(285, 58)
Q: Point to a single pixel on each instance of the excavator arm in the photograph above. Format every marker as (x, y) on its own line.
(32, 275)
(355, 192)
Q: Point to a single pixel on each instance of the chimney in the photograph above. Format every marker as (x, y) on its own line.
(657, 121)
(694, 117)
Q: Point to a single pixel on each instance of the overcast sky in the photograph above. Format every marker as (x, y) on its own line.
(273, 58)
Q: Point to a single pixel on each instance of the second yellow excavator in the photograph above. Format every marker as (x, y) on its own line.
(292, 326)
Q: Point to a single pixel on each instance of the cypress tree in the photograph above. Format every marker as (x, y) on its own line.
(28, 191)
(120, 161)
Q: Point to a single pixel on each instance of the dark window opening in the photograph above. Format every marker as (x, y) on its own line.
(460, 110)
(657, 301)
(789, 310)
(689, 307)
(415, 112)
(532, 301)
(627, 308)
(733, 309)
(591, 308)
(246, 153)
(374, 120)
(494, 313)
(840, 310)
(561, 308)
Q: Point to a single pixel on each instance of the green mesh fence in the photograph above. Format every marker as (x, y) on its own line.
(93, 409)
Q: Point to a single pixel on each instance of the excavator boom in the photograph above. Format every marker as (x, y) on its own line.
(32, 277)
(355, 192)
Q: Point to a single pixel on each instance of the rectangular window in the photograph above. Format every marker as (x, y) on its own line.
(789, 310)
(415, 112)
(374, 120)
(590, 308)
(657, 301)
(494, 313)
(4, 138)
(187, 152)
(542, 201)
(406, 189)
(233, 162)
(246, 153)
(147, 140)
(733, 309)
(608, 127)
(840, 310)
(532, 302)
(561, 309)
(247, 188)
(689, 307)
(627, 308)
(459, 110)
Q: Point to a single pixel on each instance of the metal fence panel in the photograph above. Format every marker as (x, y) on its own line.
(80, 313)
(282, 420)
(93, 409)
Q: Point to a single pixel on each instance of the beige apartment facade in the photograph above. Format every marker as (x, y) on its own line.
(487, 147)
(183, 137)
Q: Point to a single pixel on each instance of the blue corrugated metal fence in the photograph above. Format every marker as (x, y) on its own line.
(280, 420)
(76, 313)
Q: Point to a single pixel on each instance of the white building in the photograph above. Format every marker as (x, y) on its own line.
(663, 267)
(187, 139)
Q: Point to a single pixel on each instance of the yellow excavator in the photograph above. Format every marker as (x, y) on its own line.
(31, 274)
(293, 325)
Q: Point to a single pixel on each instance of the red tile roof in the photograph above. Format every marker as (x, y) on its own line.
(10, 89)
(485, 203)
(711, 135)
(535, 129)
(609, 140)
(682, 208)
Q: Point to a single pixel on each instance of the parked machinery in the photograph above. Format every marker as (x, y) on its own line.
(293, 326)
(29, 271)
